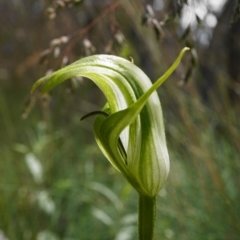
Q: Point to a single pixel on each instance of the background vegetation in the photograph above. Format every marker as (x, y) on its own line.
(54, 183)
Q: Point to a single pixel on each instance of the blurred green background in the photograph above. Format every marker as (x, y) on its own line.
(54, 182)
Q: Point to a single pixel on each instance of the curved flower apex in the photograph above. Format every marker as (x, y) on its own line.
(131, 133)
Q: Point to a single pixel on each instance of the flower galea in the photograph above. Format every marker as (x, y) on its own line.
(129, 129)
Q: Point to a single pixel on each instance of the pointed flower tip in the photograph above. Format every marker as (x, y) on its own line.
(35, 86)
(32, 89)
(186, 49)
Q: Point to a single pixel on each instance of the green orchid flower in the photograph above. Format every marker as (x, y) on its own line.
(129, 130)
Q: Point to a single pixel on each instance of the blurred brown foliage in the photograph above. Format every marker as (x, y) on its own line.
(30, 30)
(200, 103)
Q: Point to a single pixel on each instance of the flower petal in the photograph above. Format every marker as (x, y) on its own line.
(135, 117)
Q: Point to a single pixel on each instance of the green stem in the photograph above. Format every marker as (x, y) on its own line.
(146, 217)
